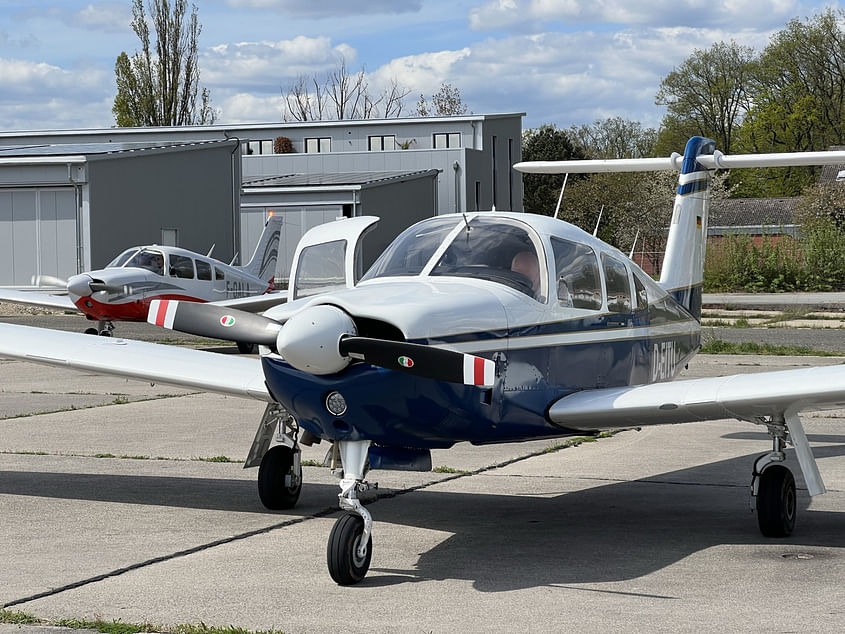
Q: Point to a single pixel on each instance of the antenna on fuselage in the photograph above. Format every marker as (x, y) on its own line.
(234, 257)
(634, 246)
(596, 230)
(211, 250)
(560, 198)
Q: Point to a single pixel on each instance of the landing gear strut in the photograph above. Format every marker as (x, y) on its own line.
(280, 470)
(350, 546)
(773, 485)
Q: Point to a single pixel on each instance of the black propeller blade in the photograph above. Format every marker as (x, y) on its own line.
(421, 360)
(207, 320)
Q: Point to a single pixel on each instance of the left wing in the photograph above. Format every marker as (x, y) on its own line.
(742, 396)
(254, 303)
(35, 298)
(183, 367)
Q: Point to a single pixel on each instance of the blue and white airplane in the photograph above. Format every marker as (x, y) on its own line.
(484, 327)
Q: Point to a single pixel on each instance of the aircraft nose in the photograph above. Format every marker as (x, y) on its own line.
(79, 285)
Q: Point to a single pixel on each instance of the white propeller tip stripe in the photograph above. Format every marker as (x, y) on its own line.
(162, 312)
(479, 371)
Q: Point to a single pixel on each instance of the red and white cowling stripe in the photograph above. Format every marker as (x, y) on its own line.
(479, 371)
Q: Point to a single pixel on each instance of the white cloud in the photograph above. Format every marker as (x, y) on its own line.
(111, 17)
(522, 15)
(266, 65)
(248, 108)
(331, 8)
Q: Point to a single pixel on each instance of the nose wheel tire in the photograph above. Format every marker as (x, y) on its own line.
(246, 348)
(279, 485)
(776, 502)
(346, 565)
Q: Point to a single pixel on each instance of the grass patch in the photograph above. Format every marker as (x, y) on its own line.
(215, 459)
(717, 346)
(118, 627)
(16, 618)
(443, 469)
(311, 463)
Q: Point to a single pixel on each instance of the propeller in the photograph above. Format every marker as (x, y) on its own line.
(321, 340)
(48, 280)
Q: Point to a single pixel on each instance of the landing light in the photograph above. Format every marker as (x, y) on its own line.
(336, 404)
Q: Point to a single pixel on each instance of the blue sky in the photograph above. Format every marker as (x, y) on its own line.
(560, 61)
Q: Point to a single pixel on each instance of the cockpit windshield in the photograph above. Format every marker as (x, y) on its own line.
(121, 259)
(150, 260)
(486, 248)
(412, 249)
(496, 250)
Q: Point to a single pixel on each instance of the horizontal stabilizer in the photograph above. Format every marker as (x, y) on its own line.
(717, 160)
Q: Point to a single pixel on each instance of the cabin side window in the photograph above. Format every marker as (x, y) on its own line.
(219, 274)
(181, 266)
(577, 275)
(150, 260)
(203, 270)
(641, 292)
(618, 287)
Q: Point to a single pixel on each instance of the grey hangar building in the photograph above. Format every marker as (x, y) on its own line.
(71, 200)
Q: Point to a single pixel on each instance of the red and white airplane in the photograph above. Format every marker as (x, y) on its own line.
(123, 290)
(481, 327)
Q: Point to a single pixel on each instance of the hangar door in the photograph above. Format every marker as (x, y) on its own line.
(37, 234)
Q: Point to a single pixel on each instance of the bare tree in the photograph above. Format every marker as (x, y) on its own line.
(341, 95)
(158, 86)
(445, 102)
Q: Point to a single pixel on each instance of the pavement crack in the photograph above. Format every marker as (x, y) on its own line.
(163, 558)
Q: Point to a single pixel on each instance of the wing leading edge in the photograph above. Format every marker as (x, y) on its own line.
(183, 367)
(35, 298)
(741, 396)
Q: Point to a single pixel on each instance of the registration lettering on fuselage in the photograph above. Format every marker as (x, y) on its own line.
(664, 360)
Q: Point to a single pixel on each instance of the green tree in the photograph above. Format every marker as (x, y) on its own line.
(546, 143)
(707, 95)
(799, 100)
(158, 86)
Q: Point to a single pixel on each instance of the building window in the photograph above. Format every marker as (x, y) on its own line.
(447, 140)
(381, 143)
(259, 147)
(318, 144)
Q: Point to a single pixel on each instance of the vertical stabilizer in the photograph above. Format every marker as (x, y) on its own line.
(264, 258)
(683, 264)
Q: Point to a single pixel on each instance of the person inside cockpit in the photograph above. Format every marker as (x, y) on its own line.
(525, 262)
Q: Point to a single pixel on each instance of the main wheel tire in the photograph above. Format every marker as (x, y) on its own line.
(776, 502)
(91, 331)
(246, 348)
(345, 566)
(276, 464)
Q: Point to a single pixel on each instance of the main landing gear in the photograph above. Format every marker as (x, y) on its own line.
(773, 485)
(279, 467)
(104, 329)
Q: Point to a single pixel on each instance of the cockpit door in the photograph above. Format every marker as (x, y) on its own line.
(328, 257)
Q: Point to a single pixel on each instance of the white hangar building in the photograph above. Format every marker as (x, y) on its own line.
(401, 170)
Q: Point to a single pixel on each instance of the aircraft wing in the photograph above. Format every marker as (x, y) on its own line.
(254, 303)
(35, 298)
(184, 367)
(741, 396)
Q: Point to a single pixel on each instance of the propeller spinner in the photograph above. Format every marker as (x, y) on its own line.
(321, 340)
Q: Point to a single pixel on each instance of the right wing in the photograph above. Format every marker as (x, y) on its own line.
(183, 367)
(35, 298)
(742, 396)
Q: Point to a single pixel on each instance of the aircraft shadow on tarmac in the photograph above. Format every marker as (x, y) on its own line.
(612, 532)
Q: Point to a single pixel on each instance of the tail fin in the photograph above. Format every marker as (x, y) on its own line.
(683, 264)
(263, 262)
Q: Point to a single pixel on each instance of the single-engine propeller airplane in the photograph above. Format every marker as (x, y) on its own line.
(484, 327)
(123, 290)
